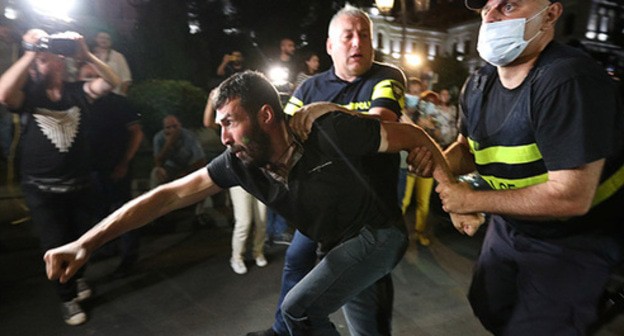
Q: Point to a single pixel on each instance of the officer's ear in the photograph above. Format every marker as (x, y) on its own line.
(553, 13)
(328, 46)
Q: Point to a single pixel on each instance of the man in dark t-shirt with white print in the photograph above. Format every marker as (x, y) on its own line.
(53, 147)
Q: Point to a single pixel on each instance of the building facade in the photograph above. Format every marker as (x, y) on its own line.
(596, 26)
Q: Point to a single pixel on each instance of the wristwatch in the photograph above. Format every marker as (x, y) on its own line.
(27, 46)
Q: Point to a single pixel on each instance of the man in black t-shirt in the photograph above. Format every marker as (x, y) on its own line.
(541, 124)
(318, 186)
(114, 134)
(54, 149)
(359, 84)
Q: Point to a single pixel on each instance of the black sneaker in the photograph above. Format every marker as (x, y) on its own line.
(268, 332)
(73, 313)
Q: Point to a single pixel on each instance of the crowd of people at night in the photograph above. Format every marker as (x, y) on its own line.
(328, 162)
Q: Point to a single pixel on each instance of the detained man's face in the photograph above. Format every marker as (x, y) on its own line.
(242, 135)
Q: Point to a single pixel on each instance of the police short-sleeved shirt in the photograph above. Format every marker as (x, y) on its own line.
(382, 86)
(326, 196)
(572, 116)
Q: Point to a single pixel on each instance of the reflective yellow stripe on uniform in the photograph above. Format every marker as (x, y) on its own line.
(498, 183)
(505, 154)
(609, 187)
(389, 89)
(358, 106)
(293, 105)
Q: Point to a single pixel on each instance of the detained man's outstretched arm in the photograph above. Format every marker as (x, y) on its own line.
(400, 136)
(63, 262)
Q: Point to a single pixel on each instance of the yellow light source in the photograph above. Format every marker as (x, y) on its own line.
(385, 6)
(413, 60)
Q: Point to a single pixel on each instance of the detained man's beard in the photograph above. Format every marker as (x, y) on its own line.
(257, 150)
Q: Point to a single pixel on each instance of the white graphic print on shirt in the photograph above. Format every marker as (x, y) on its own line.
(60, 127)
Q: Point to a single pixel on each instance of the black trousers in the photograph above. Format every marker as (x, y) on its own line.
(59, 219)
(526, 286)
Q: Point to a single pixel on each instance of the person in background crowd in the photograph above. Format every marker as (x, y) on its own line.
(286, 57)
(412, 97)
(231, 64)
(311, 66)
(116, 60)
(9, 49)
(410, 113)
(447, 119)
(54, 150)
(283, 70)
(177, 152)
(439, 119)
(542, 123)
(248, 212)
(115, 135)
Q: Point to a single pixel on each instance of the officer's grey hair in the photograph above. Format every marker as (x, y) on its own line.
(348, 10)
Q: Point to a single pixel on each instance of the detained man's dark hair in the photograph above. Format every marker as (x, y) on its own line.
(253, 89)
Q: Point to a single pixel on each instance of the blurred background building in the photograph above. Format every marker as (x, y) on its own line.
(430, 29)
(433, 39)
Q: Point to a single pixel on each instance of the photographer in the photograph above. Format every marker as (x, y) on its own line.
(54, 164)
(231, 64)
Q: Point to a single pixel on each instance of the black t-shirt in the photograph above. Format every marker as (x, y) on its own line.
(53, 143)
(381, 86)
(569, 108)
(566, 98)
(328, 196)
(107, 129)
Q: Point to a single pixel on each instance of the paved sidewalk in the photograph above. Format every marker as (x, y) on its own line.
(184, 286)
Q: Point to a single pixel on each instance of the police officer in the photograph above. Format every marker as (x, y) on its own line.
(542, 126)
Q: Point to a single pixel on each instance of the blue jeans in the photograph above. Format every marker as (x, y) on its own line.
(276, 224)
(354, 275)
(299, 260)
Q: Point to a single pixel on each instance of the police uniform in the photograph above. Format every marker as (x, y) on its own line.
(546, 277)
(381, 86)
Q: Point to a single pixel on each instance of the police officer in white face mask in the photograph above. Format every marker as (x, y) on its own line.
(542, 124)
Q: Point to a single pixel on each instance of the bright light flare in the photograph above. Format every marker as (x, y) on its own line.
(58, 9)
(413, 60)
(278, 75)
(10, 13)
(385, 6)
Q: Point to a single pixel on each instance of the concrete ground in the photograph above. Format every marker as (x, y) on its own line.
(183, 285)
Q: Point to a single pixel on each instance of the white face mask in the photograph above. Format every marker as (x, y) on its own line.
(502, 42)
